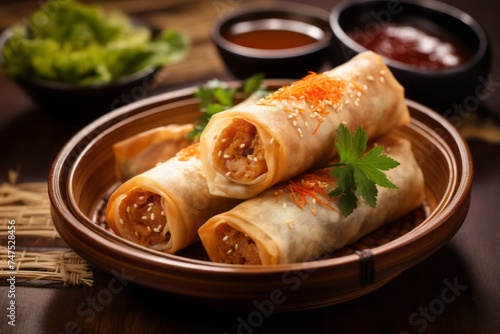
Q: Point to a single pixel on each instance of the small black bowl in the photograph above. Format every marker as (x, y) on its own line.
(76, 103)
(443, 89)
(276, 61)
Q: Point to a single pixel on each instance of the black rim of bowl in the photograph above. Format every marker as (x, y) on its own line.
(292, 11)
(430, 6)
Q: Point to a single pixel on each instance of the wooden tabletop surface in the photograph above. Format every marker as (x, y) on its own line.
(456, 290)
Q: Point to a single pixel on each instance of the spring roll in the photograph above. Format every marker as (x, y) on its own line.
(297, 221)
(246, 150)
(145, 150)
(163, 207)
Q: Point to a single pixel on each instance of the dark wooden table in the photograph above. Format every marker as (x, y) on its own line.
(456, 290)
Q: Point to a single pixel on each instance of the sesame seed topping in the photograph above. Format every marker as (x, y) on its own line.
(135, 205)
(371, 78)
(294, 123)
(227, 156)
(162, 213)
(128, 208)
(136, 234)
(228, 174)
(149, 209)
(255, 159)
(225, 238)
(229, 251)
(151, 204)
(144, 218)
(149, 228)
(236, 247)
(153, 216)
(284, 205)
(219, 154)
(382, 80)
(121, 221)
(242, 146)
(141, 198)
(223, 140)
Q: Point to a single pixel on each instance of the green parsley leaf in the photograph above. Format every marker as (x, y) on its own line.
(358, 172)
(215, 96)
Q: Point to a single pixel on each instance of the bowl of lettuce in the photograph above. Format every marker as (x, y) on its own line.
(85, 58)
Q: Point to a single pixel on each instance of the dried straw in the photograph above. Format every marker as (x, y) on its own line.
(52, 266)
(29, 206)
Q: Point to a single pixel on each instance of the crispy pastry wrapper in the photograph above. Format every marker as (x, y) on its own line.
(250, 148)
(145, 150)
(282, 226)
(163, 207)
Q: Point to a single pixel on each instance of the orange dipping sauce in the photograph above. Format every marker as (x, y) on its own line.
(413, 46)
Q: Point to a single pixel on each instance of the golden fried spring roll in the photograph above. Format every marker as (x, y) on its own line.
(145, 150)
(247, 149)
(297, 221)
(163, 207)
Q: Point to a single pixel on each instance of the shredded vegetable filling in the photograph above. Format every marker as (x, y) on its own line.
(239, 152)
(142, 216)
(235, 247)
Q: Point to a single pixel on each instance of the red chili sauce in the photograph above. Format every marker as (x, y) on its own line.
(413, 46)
(271, 39)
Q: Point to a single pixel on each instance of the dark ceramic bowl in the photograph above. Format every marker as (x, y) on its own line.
(289, 61)
(73, 102)
(442, 89)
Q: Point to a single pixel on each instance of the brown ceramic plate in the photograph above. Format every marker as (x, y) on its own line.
(83, 175)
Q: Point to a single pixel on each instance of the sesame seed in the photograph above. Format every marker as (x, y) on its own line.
(149, 228)
(227, 156)
(255, 159)
(382, 72)
(136, 234)
(225, 238)
(371, 78)
(135, 205)
(156, 230)
(151, 204)
(229, 251)
(128, 208)
(219, 154)
(162, 213)
(284, 205)
(294, 123)
(236, 247)
(144, 218)
(223, 140)
(141, 198)
(382, 80)
(290, 116)
(153, 216)
(150, 209)
(271, 141)
(121, 221)
(242, 146)
(228, 174)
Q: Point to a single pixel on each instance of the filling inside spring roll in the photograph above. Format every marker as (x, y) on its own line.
(241, 150)
(142, 214)
(234, 246)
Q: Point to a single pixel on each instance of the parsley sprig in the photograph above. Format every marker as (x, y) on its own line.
(216, 96)
(358, 172)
